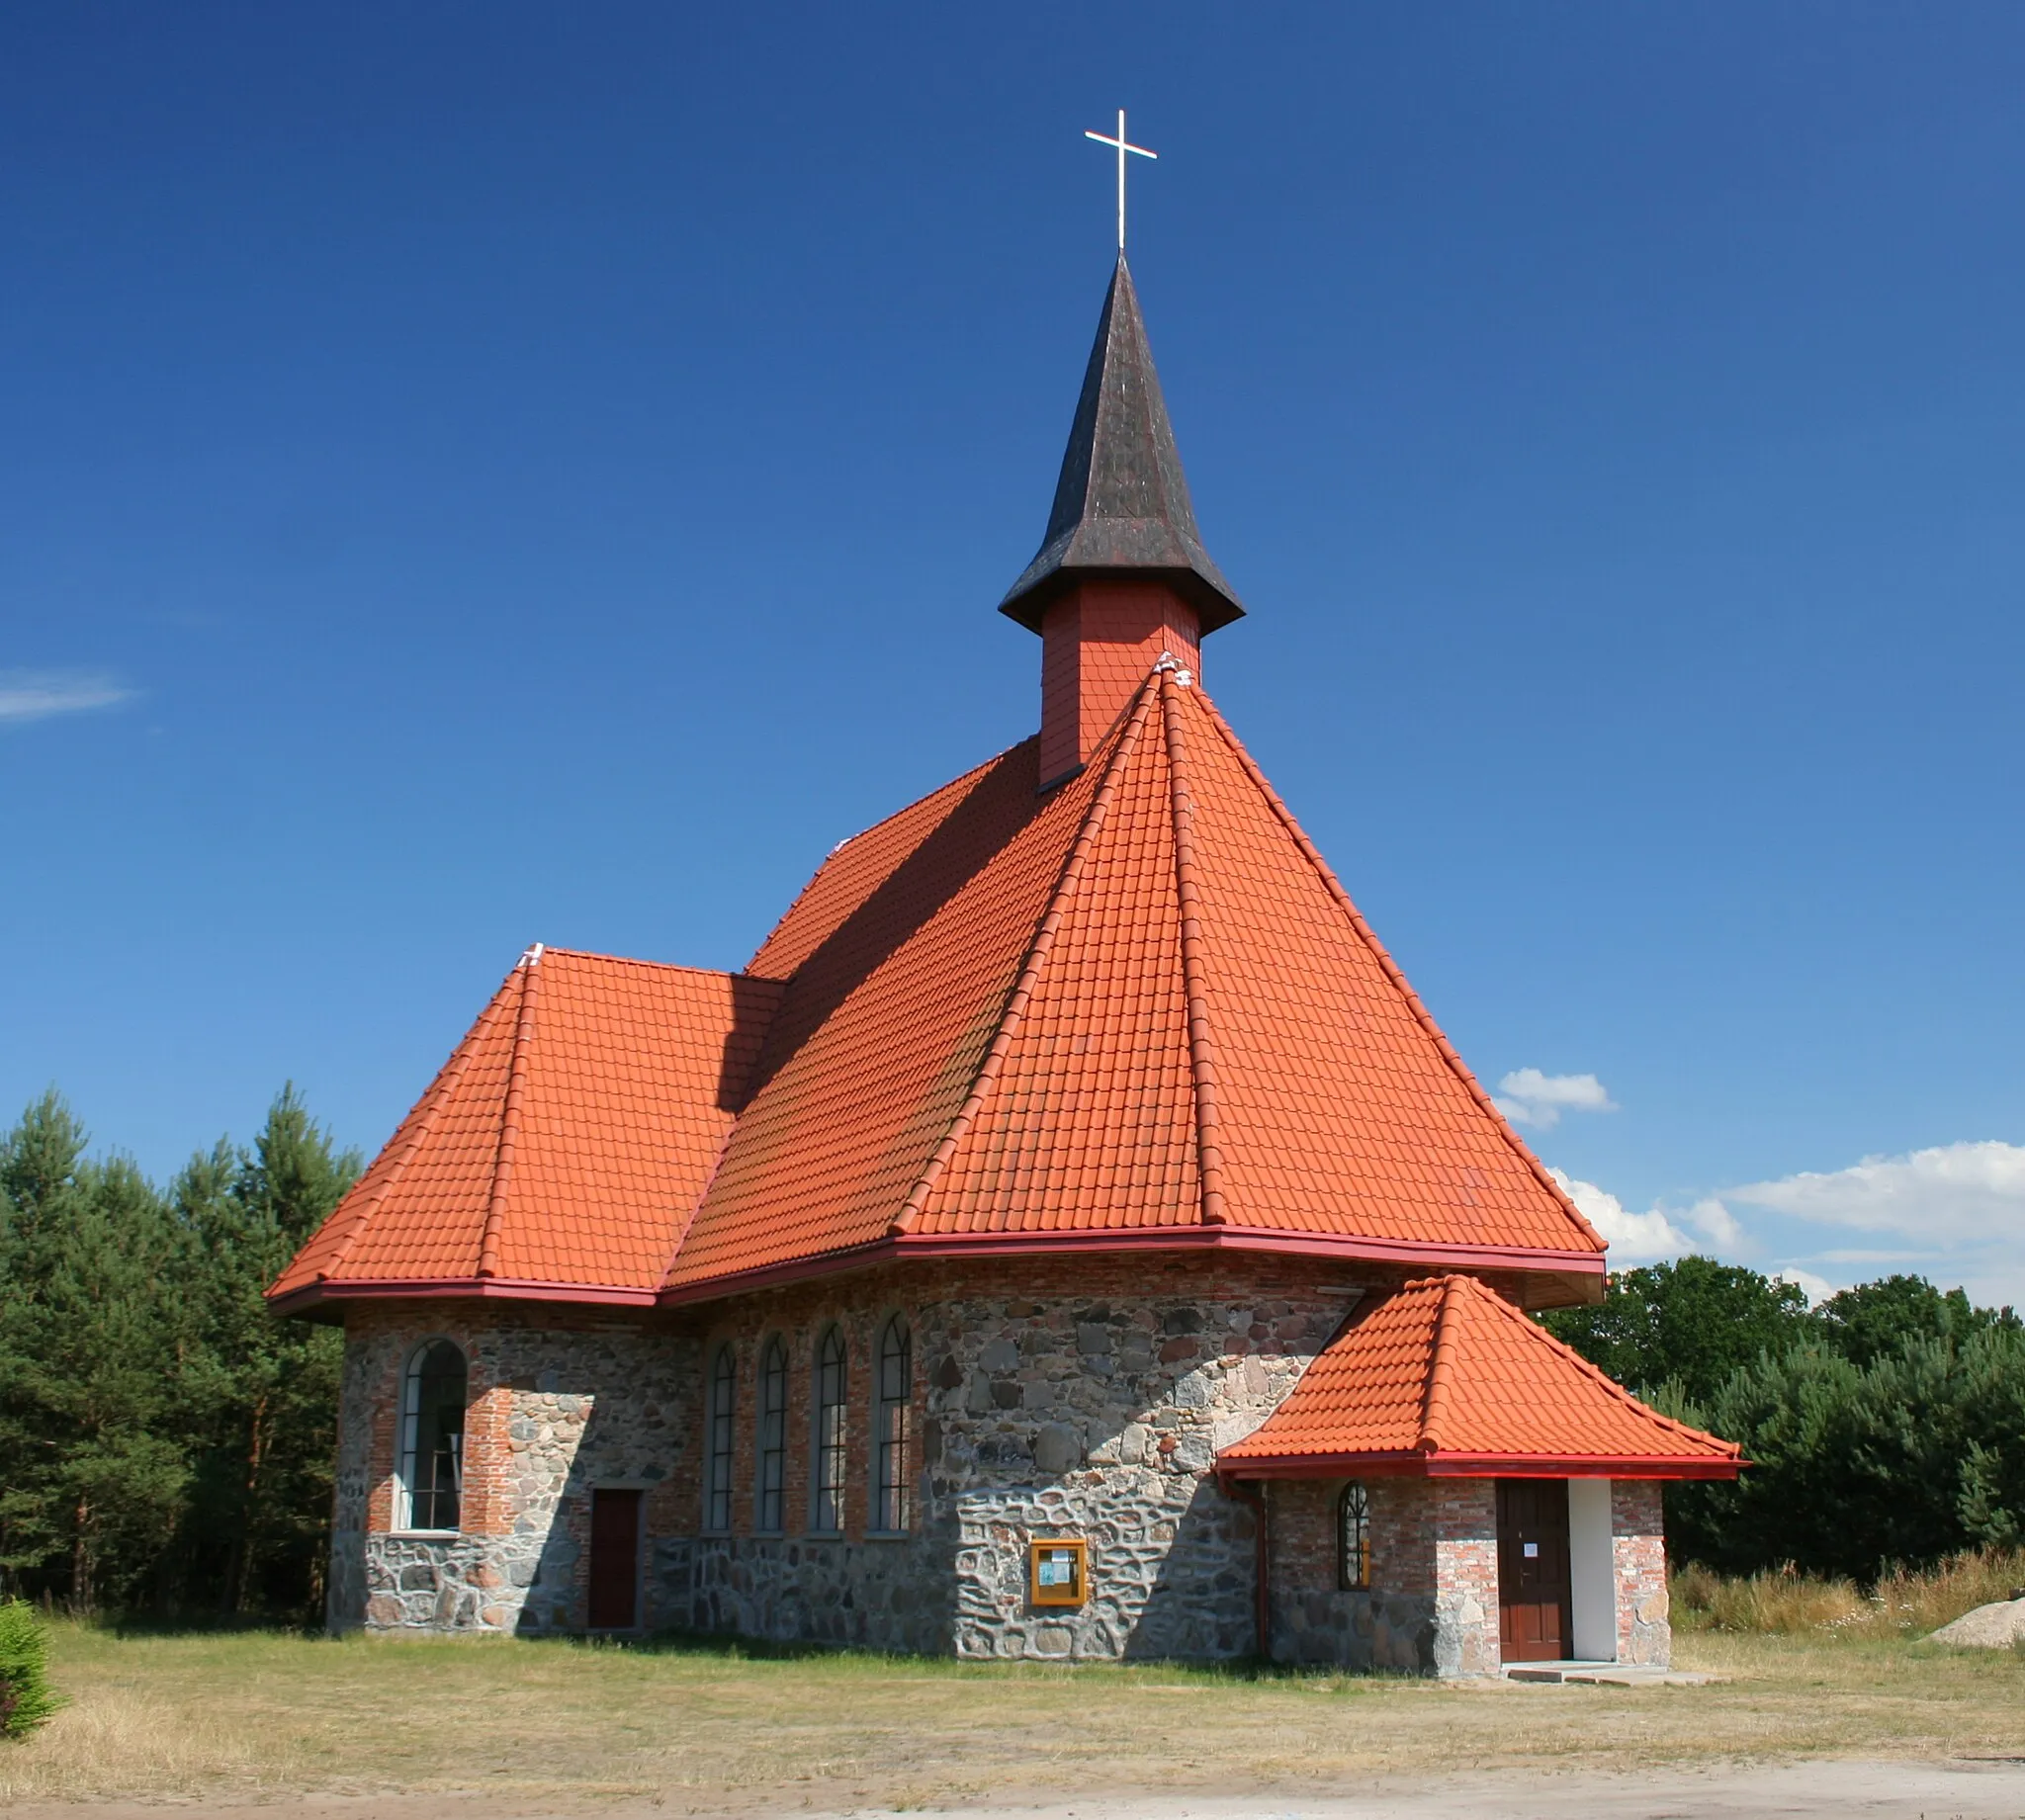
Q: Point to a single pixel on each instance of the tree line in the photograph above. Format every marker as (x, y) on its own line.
(165, 1442)
(1886, 1424)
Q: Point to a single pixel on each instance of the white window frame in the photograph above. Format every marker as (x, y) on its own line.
(828, 1450)
(406, 1436)
(890, 1449)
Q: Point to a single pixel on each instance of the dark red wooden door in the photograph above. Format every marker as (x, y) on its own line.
(1534, 1622)
(614, 1560)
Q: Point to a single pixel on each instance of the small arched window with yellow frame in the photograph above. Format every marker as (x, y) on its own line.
(1354, 1539)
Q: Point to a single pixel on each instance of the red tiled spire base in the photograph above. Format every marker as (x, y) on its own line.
(1448, 1378)
(1098, 641)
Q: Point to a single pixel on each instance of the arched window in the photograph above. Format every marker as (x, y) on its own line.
(1354, 1539)
(432, 1437)
(890, 1504)
(827, 1510)
(724, 1401)
(772, 1436)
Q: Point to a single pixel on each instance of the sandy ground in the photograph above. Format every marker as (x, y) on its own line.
(1958, 1789)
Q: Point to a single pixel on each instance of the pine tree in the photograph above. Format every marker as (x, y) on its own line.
(88, 1351)
(268, 1388)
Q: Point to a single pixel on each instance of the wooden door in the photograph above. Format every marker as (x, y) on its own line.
(1535, 1623)
(614, 1560)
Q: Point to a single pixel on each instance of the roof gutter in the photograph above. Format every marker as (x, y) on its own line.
(303, 1300)
(948, 1246)
(1402, 1464)
(1192, 1238)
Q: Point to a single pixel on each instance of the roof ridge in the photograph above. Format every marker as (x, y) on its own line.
(1202, 1040)
(421, 1120)
(809, 884)
(530, 970)
(1369, 937)
(1434, 1399)
(1038, 949)
(631, 960)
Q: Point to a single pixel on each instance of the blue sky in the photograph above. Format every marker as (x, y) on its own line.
(483, 474)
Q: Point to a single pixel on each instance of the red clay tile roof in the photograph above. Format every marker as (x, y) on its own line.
(1447, 1376)
(561, 1146)
(1135, 1009)
(1136, 1005)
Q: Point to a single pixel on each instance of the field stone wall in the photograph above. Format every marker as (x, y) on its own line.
(1099, 1415)
(1052, 1398)
(1061, 1398)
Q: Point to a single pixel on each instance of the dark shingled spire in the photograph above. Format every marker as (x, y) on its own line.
(1121, 505)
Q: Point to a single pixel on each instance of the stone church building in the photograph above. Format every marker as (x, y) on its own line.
(1068, 1236)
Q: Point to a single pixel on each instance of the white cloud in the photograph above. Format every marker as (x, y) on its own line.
(1632, 1236)
(1953, 1214)
(36, 695)
(1527, 1097)
(1715, 1221)
(1818, 1288)
(1953, 1194)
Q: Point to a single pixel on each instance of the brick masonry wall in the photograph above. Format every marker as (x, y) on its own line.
(1465, 1577)
(559, 1401)
(1389, 1626)
(1638, 1550)
(1098, 644)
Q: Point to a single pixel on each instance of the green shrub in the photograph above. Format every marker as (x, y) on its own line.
(26, 1699)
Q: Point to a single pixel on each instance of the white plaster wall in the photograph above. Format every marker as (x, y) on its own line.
(1592, 1565)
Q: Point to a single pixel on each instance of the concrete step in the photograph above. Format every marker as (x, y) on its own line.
(1602, 1675)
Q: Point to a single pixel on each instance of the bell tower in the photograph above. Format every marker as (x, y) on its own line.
(1121, 575)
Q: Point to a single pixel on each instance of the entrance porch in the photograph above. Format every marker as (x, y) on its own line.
(1450, 1490)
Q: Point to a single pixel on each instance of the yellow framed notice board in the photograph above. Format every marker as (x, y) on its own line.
(1058, 1572)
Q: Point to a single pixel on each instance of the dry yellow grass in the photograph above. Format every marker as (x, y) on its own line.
(1901, 1604)
(267, 1715)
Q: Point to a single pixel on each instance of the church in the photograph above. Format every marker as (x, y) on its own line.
(1069, 1237)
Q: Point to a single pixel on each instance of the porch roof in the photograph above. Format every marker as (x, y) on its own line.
(1448, 1378)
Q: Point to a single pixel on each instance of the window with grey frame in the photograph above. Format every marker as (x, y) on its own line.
(825, 1509)
(1354, 1539)
(770, 1487)
(724, 1405)
(432, 1437)
(894, 1416)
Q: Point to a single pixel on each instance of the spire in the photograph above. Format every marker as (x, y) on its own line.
(1121, 505)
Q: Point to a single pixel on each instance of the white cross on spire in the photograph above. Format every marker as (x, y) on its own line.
(1124, 145)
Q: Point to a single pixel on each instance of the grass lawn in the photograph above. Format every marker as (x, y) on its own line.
(263, 1715)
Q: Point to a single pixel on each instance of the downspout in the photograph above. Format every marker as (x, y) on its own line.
(1262, 1556)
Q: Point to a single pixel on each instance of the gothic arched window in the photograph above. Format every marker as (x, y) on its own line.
(431, 1477)
(724, 1403)
(892, 1461)
(827, 1482)
(772, 1462)
(1354, 1539)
